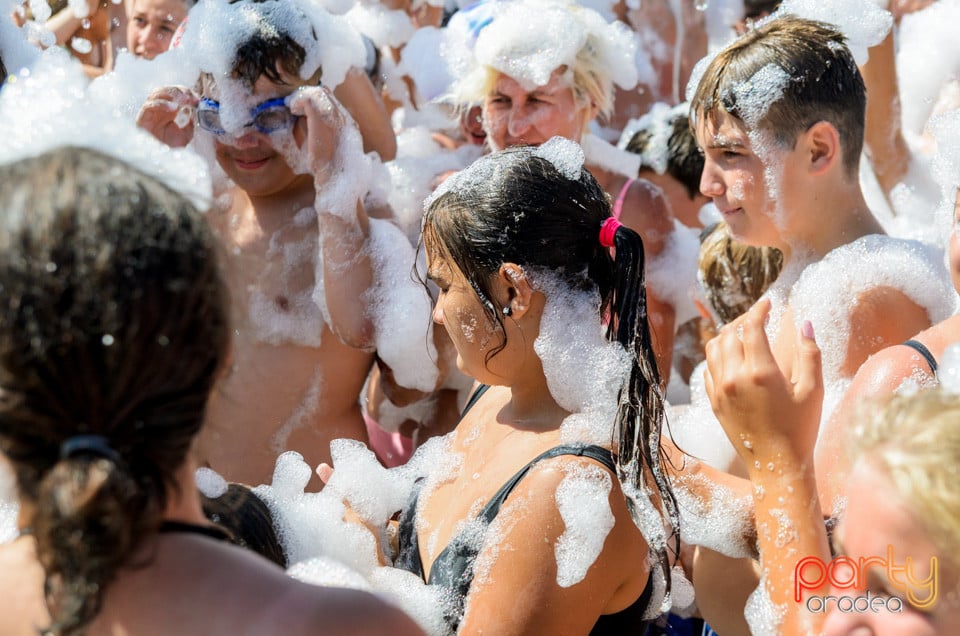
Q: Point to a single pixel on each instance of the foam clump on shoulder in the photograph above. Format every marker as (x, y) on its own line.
(217, 28)
(565, 155)
(583, 501)
(862, 22)
(50, 107)
(9, 506)
(528, 40)
(584, 370)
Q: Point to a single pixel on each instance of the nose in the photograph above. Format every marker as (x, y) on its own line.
(519, 122)
(149, 40)
(711, 184)
(246, 139)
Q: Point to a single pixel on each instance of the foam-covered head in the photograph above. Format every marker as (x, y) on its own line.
(115, 325)
(247, 39)
(528, 40)
(783, 77)
(525, 207)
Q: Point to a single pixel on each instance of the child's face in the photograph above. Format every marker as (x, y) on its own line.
(152, 24)
(259, 163)
(738, 180)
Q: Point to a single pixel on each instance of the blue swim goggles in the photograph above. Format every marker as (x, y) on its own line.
(267, 117)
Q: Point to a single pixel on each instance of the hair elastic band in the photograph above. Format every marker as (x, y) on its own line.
(608, 229)
(93, 444)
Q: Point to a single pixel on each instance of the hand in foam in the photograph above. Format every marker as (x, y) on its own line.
(169, 114)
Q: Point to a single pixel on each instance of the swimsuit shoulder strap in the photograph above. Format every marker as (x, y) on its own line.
(618, 204)
(919, 347)
(596, 453)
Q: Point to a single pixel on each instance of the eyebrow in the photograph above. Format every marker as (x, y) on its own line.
(722, 143)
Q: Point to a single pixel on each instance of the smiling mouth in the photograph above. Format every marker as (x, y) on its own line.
(731, 211)
(250, 164)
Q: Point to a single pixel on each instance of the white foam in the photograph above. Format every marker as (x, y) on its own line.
(712, 516)
(383, 26)
(672, 273)
(606, 156)
(826, 291)
(764, 617)
(51, 108)
(584, 370)
(209, 482)
(401, 309)
(583, 501)
(216, 28)
(862, 22)
(529, 39)
(9, 505)
(565, 155)
(949, 371)
(755, 96)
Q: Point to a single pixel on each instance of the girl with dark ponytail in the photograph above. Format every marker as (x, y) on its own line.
(561, 441)
(113, 331)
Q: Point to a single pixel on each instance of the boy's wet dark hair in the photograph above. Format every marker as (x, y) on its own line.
(240, 511)
(824, 83)
(268, 52)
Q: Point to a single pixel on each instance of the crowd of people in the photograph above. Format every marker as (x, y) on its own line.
(359, 319)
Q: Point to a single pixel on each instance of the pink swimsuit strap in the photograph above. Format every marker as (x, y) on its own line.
(618, 204)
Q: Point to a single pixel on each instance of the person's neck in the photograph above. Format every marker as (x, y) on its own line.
(183, 502)
(836, 221)
(532, 407)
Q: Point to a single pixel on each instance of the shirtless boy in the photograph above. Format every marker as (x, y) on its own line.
(296, 374)
(779, 115)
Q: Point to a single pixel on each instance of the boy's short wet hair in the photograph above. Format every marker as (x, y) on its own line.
(268, 52)
(822, 83)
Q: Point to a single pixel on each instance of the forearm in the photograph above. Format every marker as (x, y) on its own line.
(360, 99)
(347, 276)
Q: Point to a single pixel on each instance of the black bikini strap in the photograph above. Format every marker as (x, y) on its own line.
(595, 453)
(474, 397)
(214, 532)
(923, 351)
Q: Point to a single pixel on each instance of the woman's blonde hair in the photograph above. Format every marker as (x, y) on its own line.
(915, 440)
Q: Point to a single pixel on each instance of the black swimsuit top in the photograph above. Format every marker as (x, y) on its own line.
(453, 567)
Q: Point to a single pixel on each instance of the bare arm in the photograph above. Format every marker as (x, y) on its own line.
(361, 100)
(772, 421)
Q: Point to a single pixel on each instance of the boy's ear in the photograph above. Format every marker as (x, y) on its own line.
(822, 143)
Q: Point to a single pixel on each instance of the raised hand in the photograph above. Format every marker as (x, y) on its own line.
(764, 413)
(169, 114)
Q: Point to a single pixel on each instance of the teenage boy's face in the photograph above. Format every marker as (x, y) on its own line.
(254, 160)
(736, 179)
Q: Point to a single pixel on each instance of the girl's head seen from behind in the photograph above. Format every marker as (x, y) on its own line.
(114, 330)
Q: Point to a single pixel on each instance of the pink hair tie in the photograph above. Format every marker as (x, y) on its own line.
(608, 229)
